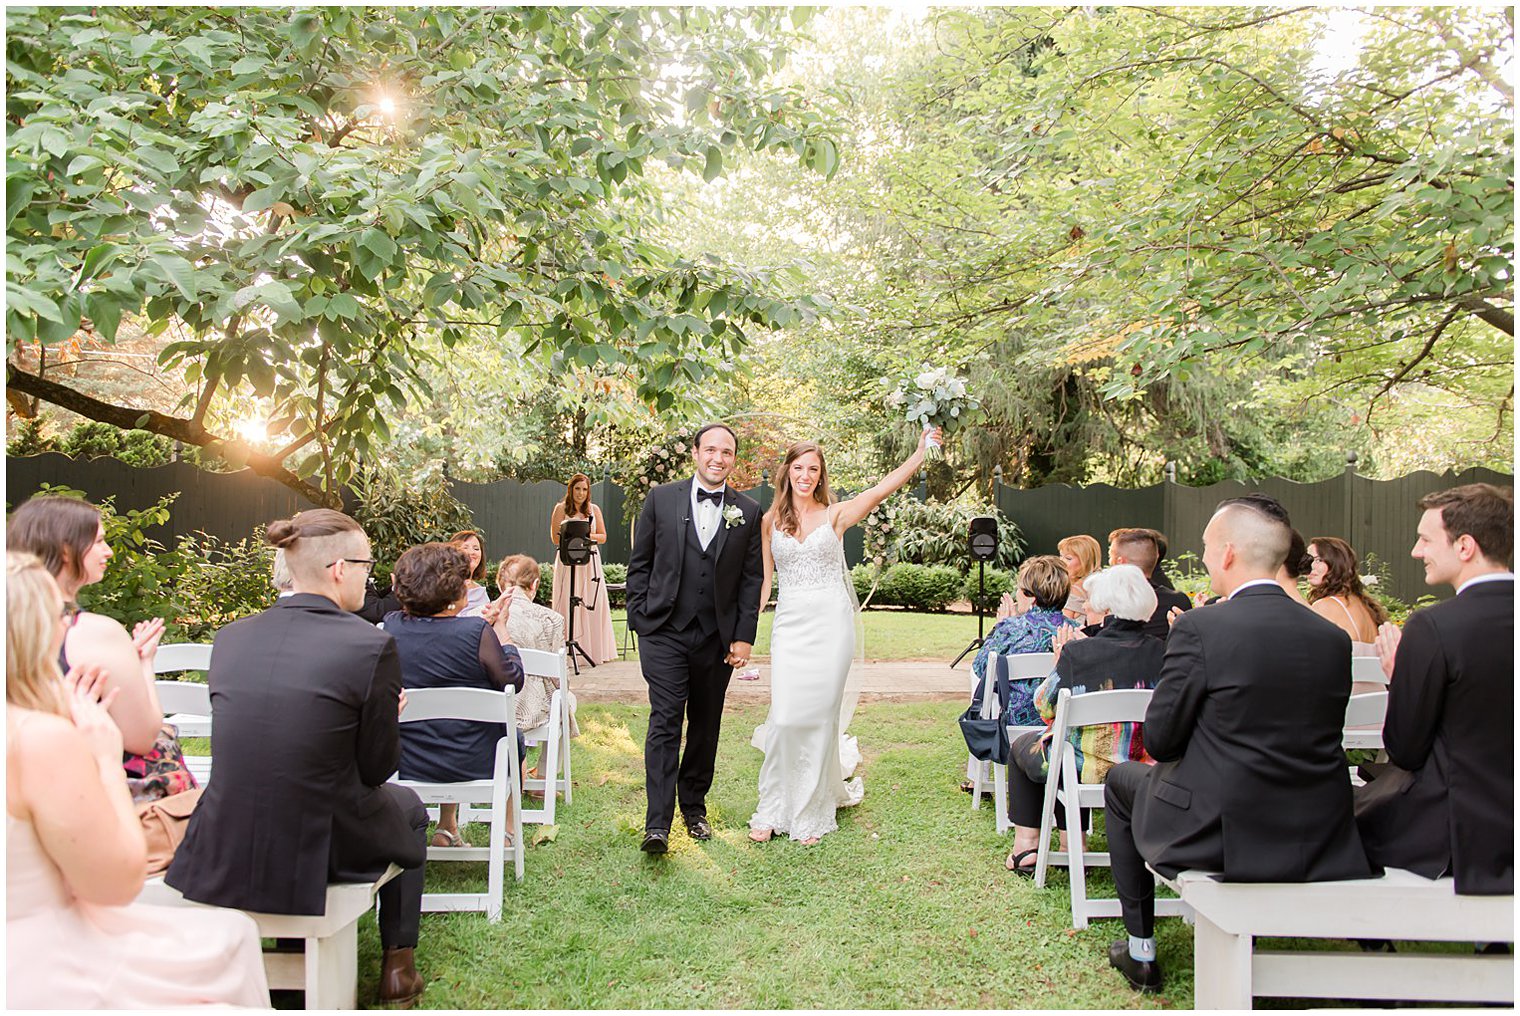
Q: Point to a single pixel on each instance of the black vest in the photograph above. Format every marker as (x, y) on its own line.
(695, 597)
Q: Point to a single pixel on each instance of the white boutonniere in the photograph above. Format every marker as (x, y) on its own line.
(732, 516)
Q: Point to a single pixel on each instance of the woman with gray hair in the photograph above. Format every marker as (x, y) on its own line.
(1119, 656)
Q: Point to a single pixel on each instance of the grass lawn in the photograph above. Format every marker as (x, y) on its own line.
(889, 634)
(906, 906)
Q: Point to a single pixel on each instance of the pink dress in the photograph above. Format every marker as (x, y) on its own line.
(593, 619)
(63, 953)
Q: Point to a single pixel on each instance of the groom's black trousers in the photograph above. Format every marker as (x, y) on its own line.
(687, 680)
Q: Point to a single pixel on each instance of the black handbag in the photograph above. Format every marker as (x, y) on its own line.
(987, 738)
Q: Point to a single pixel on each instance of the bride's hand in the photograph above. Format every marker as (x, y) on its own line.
(936, 433)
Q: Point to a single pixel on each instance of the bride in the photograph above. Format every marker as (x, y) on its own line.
(802, 780)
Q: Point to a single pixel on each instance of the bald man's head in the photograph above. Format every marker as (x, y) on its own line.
(1244, 541)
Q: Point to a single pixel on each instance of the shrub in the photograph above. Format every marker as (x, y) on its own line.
(396, 515)
(29, 439)
(917, 587)
(998, 583)
(223, 581)
(134, 447)
(930, 533)
(142, 579)
(616, 574)
(545, 584)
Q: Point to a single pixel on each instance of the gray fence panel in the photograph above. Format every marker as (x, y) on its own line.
(226, 505)
(1047, 515)
(513, 517)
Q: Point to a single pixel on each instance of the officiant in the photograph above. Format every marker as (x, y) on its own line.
(593, 615)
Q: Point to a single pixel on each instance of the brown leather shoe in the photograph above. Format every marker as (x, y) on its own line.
(400, 984)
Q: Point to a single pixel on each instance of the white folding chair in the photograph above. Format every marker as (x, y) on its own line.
(186, 704)
(502, 790)
(1020, 666)
(1364, 726)
(553, 734)
(1367, 674)
(1073, 712)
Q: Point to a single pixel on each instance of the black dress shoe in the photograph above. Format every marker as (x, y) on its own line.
(1141, 975)
(656, 841)
(699, 829)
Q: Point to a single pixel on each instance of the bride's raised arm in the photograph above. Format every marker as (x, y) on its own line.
(853, 511)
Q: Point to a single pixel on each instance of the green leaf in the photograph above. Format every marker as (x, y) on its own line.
(180, 272)
(18, 193)
(98, 257)
(378, 243)
(714, 167)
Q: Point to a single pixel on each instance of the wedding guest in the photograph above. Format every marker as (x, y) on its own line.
(1245, 726)
(473, 547)
(1119, 656)
(530, 625)
(67, 534)
(1158, 574)
(1028, 622)
(279, 575)
(1142, 548)
(441, 648)
(592, 627)
(1336, 593)
(1082, 556)
(75, 855)
(1448, 806)
(304, 701)
(1294, 567)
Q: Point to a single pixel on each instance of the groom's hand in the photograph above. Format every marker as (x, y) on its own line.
(738, 654)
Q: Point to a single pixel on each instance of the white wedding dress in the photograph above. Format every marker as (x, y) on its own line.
(807, 756)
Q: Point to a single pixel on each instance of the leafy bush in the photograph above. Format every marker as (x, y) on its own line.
(134, 447)
(142, 579)
(908, 585)
(1375, 578)
(998, 583)
(223, 581)
(28, 439)
(396, 516)
(616, 574)
(933, 533)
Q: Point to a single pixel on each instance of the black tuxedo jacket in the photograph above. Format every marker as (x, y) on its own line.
(654, 565)
(1166, 598)
(304, 734)
(1245, 724)
(1451, 724)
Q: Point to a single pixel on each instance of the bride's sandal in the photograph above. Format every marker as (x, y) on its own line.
(761, 835)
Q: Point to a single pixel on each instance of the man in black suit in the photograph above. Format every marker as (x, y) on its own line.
(1245, 725)
(1142, 548)
(694, 579)
(1448, 805)
(305, 703)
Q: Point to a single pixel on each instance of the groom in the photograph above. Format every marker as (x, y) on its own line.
(694, 581)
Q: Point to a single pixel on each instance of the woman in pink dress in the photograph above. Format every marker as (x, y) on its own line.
(593, 618)
(75, 854)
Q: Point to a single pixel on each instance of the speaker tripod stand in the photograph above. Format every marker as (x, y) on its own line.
(981, 616)
(572, 647)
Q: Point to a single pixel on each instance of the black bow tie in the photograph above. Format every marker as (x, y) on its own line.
(715, 496)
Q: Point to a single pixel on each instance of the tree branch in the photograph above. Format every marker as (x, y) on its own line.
(187, 431)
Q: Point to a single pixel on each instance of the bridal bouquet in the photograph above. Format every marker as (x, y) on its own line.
(933, 398)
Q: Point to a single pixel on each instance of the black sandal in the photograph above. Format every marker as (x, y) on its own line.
(967, 786)
(1015, 862)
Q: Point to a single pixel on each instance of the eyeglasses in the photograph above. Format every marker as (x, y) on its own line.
(368, 562)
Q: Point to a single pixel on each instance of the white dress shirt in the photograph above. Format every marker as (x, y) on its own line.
(707, 514)
(1248, 585)
(1503, 576)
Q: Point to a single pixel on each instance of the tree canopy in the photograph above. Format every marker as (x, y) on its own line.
(307, 198)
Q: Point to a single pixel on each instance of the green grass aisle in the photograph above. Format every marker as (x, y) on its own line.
(906, 906)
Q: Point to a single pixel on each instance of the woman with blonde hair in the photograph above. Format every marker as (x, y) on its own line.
(530, 625)
(75, 854)
(1082, 555)
(592, 629)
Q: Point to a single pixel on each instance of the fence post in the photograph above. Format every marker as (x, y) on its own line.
(1348, 516)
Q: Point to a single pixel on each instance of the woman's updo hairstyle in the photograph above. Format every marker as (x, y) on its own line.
(518, 570)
